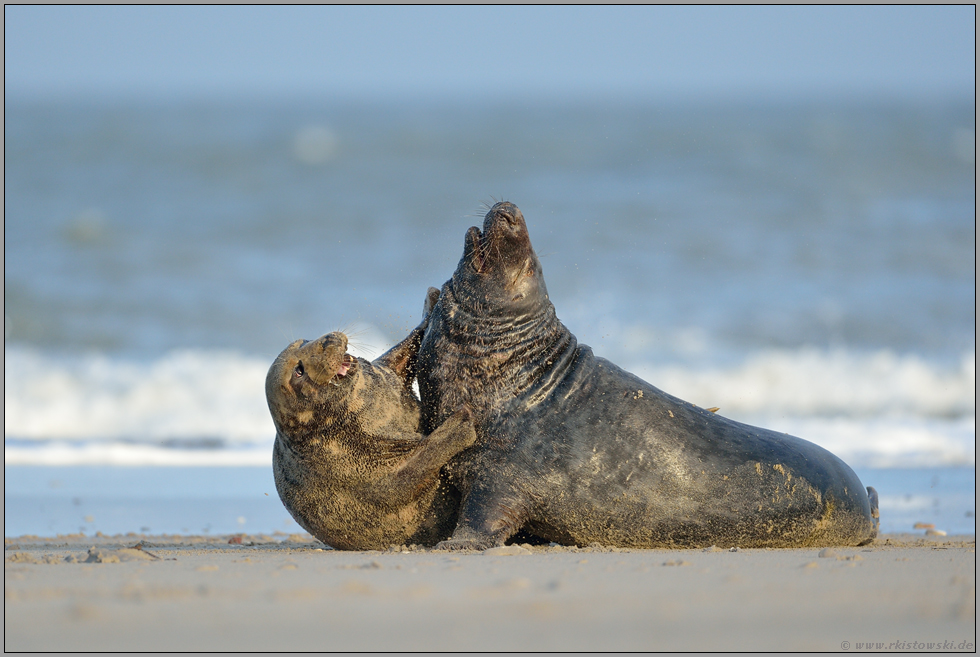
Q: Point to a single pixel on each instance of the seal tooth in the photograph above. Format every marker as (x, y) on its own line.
(345, 365)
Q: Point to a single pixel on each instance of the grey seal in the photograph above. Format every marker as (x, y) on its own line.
(349, 461)
(576, 450)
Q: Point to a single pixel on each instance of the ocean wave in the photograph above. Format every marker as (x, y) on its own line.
(837, 382)
(183, 395)
(205, 407)
(109, 452)
(884, 442)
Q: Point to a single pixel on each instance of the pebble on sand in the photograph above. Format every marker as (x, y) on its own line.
(506, 551)
(98, 555)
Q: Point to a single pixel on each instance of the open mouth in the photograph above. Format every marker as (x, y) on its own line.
(346, 365)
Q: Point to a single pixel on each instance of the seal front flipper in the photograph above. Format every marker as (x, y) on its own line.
(402, 358)
(431, 299)
(487, 519)
(452, 437)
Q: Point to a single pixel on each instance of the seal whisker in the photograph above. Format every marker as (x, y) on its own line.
(361, 346)
(347, 328)
(486, 206)
(355, 334)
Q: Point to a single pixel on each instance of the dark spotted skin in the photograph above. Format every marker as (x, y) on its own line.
(349, 461)
(576, 450)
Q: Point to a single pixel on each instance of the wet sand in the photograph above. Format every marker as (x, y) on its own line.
(83, 593)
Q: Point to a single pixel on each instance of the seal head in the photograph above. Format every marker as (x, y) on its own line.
(308, 381)
(499, 273)
(350, 463)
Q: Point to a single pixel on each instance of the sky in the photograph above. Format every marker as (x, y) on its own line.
(488, 52)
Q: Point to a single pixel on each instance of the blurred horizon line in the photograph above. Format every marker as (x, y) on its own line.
(663, 98)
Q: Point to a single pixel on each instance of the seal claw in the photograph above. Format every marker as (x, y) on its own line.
(458, 544)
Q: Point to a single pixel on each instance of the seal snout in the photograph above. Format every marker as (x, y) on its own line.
(325, 360)
(335, 340)
(504, 225)
(334, 344)
(504, 215)
(504, 242)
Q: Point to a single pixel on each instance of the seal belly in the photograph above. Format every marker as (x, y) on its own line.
(645, 469)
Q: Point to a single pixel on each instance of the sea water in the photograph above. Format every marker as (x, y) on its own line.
(52, 500)
(807, 267)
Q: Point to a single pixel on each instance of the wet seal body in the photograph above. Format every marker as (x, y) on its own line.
(349, 461)
(576, 450)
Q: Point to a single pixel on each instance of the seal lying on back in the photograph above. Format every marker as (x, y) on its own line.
(576, 450)
(349, 462)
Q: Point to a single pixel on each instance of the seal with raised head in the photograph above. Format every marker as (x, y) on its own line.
(576, 450)
(349, 461)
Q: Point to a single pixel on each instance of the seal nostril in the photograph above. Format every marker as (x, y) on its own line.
(511, 221)
(506, 216)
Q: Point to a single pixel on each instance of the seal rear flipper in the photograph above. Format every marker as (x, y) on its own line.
(873, 500)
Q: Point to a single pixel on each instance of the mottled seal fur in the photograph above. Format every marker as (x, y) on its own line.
(576, 450)
(350, 463)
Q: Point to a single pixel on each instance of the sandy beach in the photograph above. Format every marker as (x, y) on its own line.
(286, 592)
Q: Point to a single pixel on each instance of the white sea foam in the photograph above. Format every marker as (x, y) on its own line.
(187, 395)
(200, 407)
(130, 454)
(811, 382)
(884, 442)
(872, 409)
(184, 395)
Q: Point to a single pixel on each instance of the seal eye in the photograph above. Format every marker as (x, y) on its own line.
(299, 371)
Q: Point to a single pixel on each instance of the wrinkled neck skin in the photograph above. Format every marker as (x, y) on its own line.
(534, 337)
(487, 355)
